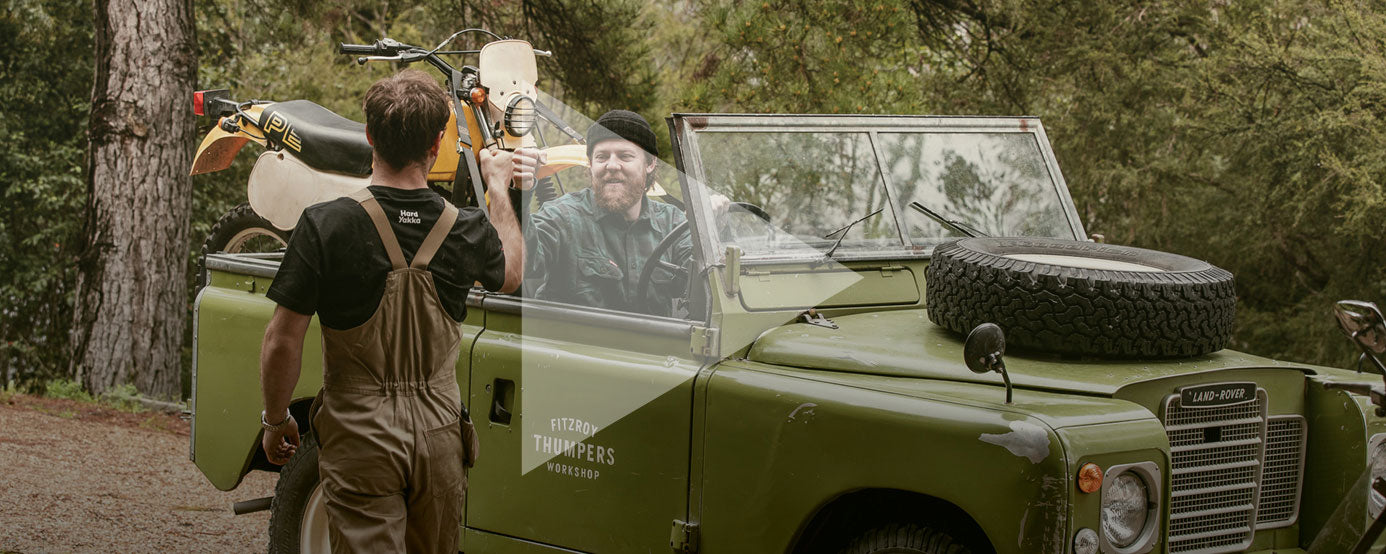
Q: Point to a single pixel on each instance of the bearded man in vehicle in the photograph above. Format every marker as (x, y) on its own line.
(590, 246)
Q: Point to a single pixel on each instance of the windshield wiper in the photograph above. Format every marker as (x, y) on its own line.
(955, 226)
(828, 256)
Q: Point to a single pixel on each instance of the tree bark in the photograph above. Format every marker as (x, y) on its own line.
(131, 295)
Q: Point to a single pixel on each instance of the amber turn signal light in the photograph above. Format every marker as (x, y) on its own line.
(1089, 478)
(478, 95)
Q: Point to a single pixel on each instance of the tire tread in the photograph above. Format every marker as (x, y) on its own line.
(905, 538)
(1082, 311)
(234, 221)
(297, 479)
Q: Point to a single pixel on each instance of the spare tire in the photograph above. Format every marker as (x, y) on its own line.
(1082, 297)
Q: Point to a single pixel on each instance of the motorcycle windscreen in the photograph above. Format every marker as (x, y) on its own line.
(508, 69)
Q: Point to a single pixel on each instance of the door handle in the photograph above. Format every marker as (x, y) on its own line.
(502, 401)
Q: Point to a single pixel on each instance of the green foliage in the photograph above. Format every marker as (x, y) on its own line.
(122, 398)
(8, 392)
(1246, 133)
(602, 50)
(1243, 133)
(66, 389)
(45, 84)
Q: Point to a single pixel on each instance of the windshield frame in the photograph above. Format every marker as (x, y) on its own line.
(684, 129)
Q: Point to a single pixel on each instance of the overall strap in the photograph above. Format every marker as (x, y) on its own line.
(435, 236)
(382, 226)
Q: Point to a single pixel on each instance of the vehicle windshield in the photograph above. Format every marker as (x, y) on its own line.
(814, 182)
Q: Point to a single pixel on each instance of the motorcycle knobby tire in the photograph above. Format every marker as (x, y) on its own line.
(237, 227)
(1174, 306)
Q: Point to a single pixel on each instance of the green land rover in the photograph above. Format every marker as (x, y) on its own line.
(815, 390)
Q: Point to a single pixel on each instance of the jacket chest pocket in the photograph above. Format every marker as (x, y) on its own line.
(599, 282)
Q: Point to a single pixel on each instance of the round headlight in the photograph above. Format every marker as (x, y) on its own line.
(519, 115)
(1085, 541)
(1124, 509)
(1376, 453)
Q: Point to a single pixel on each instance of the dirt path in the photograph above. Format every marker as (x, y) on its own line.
(80, 478)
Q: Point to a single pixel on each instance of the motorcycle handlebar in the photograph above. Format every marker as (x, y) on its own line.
(344, 48)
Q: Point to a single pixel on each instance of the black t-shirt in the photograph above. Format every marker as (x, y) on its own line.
(335, 264)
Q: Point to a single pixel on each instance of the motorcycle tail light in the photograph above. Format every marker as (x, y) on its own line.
(216, 102)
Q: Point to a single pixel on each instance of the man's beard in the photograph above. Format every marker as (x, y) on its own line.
(618, 197)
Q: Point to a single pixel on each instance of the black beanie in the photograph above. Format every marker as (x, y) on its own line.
(622, 124)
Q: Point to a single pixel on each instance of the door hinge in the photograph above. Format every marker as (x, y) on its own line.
(703, 342)
(684, 537)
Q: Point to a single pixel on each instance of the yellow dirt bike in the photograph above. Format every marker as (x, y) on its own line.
(313, 155)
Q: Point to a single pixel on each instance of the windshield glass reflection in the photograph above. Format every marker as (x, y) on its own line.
(994, 182)
(811, 184)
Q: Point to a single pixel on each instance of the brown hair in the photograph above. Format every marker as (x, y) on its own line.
(404, 114)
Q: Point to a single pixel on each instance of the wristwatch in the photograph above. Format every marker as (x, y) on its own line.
(274, 426)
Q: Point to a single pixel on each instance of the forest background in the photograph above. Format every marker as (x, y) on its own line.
(1246, 133)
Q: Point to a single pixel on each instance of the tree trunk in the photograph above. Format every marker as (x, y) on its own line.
(131, 296)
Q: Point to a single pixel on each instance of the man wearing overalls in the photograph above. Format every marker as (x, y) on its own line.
(387, 271)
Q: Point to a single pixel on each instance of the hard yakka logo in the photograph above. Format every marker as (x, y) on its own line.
(1220, 394)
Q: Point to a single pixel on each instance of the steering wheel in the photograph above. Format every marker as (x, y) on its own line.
(642, 286)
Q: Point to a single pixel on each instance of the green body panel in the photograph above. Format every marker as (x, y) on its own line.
(781, 444)
(1339, 426)
(1108, 444)
(905, 343)
(227, 400)
(635, 389)
(766, 290)
(231, 314)
(752, 449)
(473, 540)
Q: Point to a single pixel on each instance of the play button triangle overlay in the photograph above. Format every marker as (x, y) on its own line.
(579, 381)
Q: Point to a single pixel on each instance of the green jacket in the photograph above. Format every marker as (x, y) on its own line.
(580, 254)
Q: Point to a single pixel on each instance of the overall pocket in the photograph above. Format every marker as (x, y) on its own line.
(471, 445)
(445, 474)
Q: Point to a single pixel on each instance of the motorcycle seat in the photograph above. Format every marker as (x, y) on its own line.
(322, 139)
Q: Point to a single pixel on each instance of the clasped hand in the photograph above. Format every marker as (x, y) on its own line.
(518, 167)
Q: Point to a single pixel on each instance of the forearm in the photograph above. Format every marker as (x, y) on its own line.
(281, 360)
(279, 370)
(503, 217)
(519, 202)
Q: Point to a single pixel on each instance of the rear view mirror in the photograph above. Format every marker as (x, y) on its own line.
(983, 351)
(1362, 322)
(984, 347)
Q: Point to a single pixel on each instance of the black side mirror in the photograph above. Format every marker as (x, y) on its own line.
(1363, 323)
(983, 352)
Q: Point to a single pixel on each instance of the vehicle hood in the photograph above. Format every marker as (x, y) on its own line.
(905, 343)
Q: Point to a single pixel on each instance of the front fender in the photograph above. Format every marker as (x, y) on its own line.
(781, 445)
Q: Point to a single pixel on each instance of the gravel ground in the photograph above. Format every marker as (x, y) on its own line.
(76, 477)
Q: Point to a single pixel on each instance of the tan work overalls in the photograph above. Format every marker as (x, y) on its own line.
(391, 456)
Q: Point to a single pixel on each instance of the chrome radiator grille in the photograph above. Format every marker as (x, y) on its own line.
(1216, 470)
(1282, 473)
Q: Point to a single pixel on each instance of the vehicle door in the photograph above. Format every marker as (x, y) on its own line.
(584, 418)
